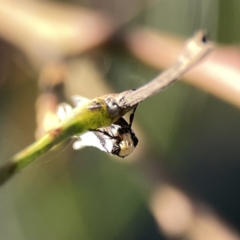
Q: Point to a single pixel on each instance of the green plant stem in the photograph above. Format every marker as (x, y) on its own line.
(90, 116)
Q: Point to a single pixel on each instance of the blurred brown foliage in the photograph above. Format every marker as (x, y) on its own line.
(70, 49)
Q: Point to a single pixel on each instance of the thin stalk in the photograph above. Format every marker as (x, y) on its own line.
(195, 50)
(89, 116)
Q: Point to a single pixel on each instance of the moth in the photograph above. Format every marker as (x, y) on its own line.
(117, 139)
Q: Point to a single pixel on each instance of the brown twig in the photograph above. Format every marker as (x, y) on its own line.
(196, 49)
(219, 75)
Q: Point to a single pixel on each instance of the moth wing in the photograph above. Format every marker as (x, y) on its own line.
(88, 139)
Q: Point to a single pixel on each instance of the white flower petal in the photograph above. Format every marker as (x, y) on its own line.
(63, 111)
(79, 100)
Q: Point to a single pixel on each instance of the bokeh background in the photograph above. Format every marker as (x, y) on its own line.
(182, 181)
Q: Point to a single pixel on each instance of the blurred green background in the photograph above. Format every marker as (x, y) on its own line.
(89, 195)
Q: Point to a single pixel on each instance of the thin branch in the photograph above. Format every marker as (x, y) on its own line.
(105, 110)
(195, 50)
(218, 75)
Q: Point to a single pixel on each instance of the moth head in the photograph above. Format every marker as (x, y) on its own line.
(126, 143)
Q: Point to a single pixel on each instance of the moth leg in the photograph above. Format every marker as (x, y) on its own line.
(132, 117)
(104, 132)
